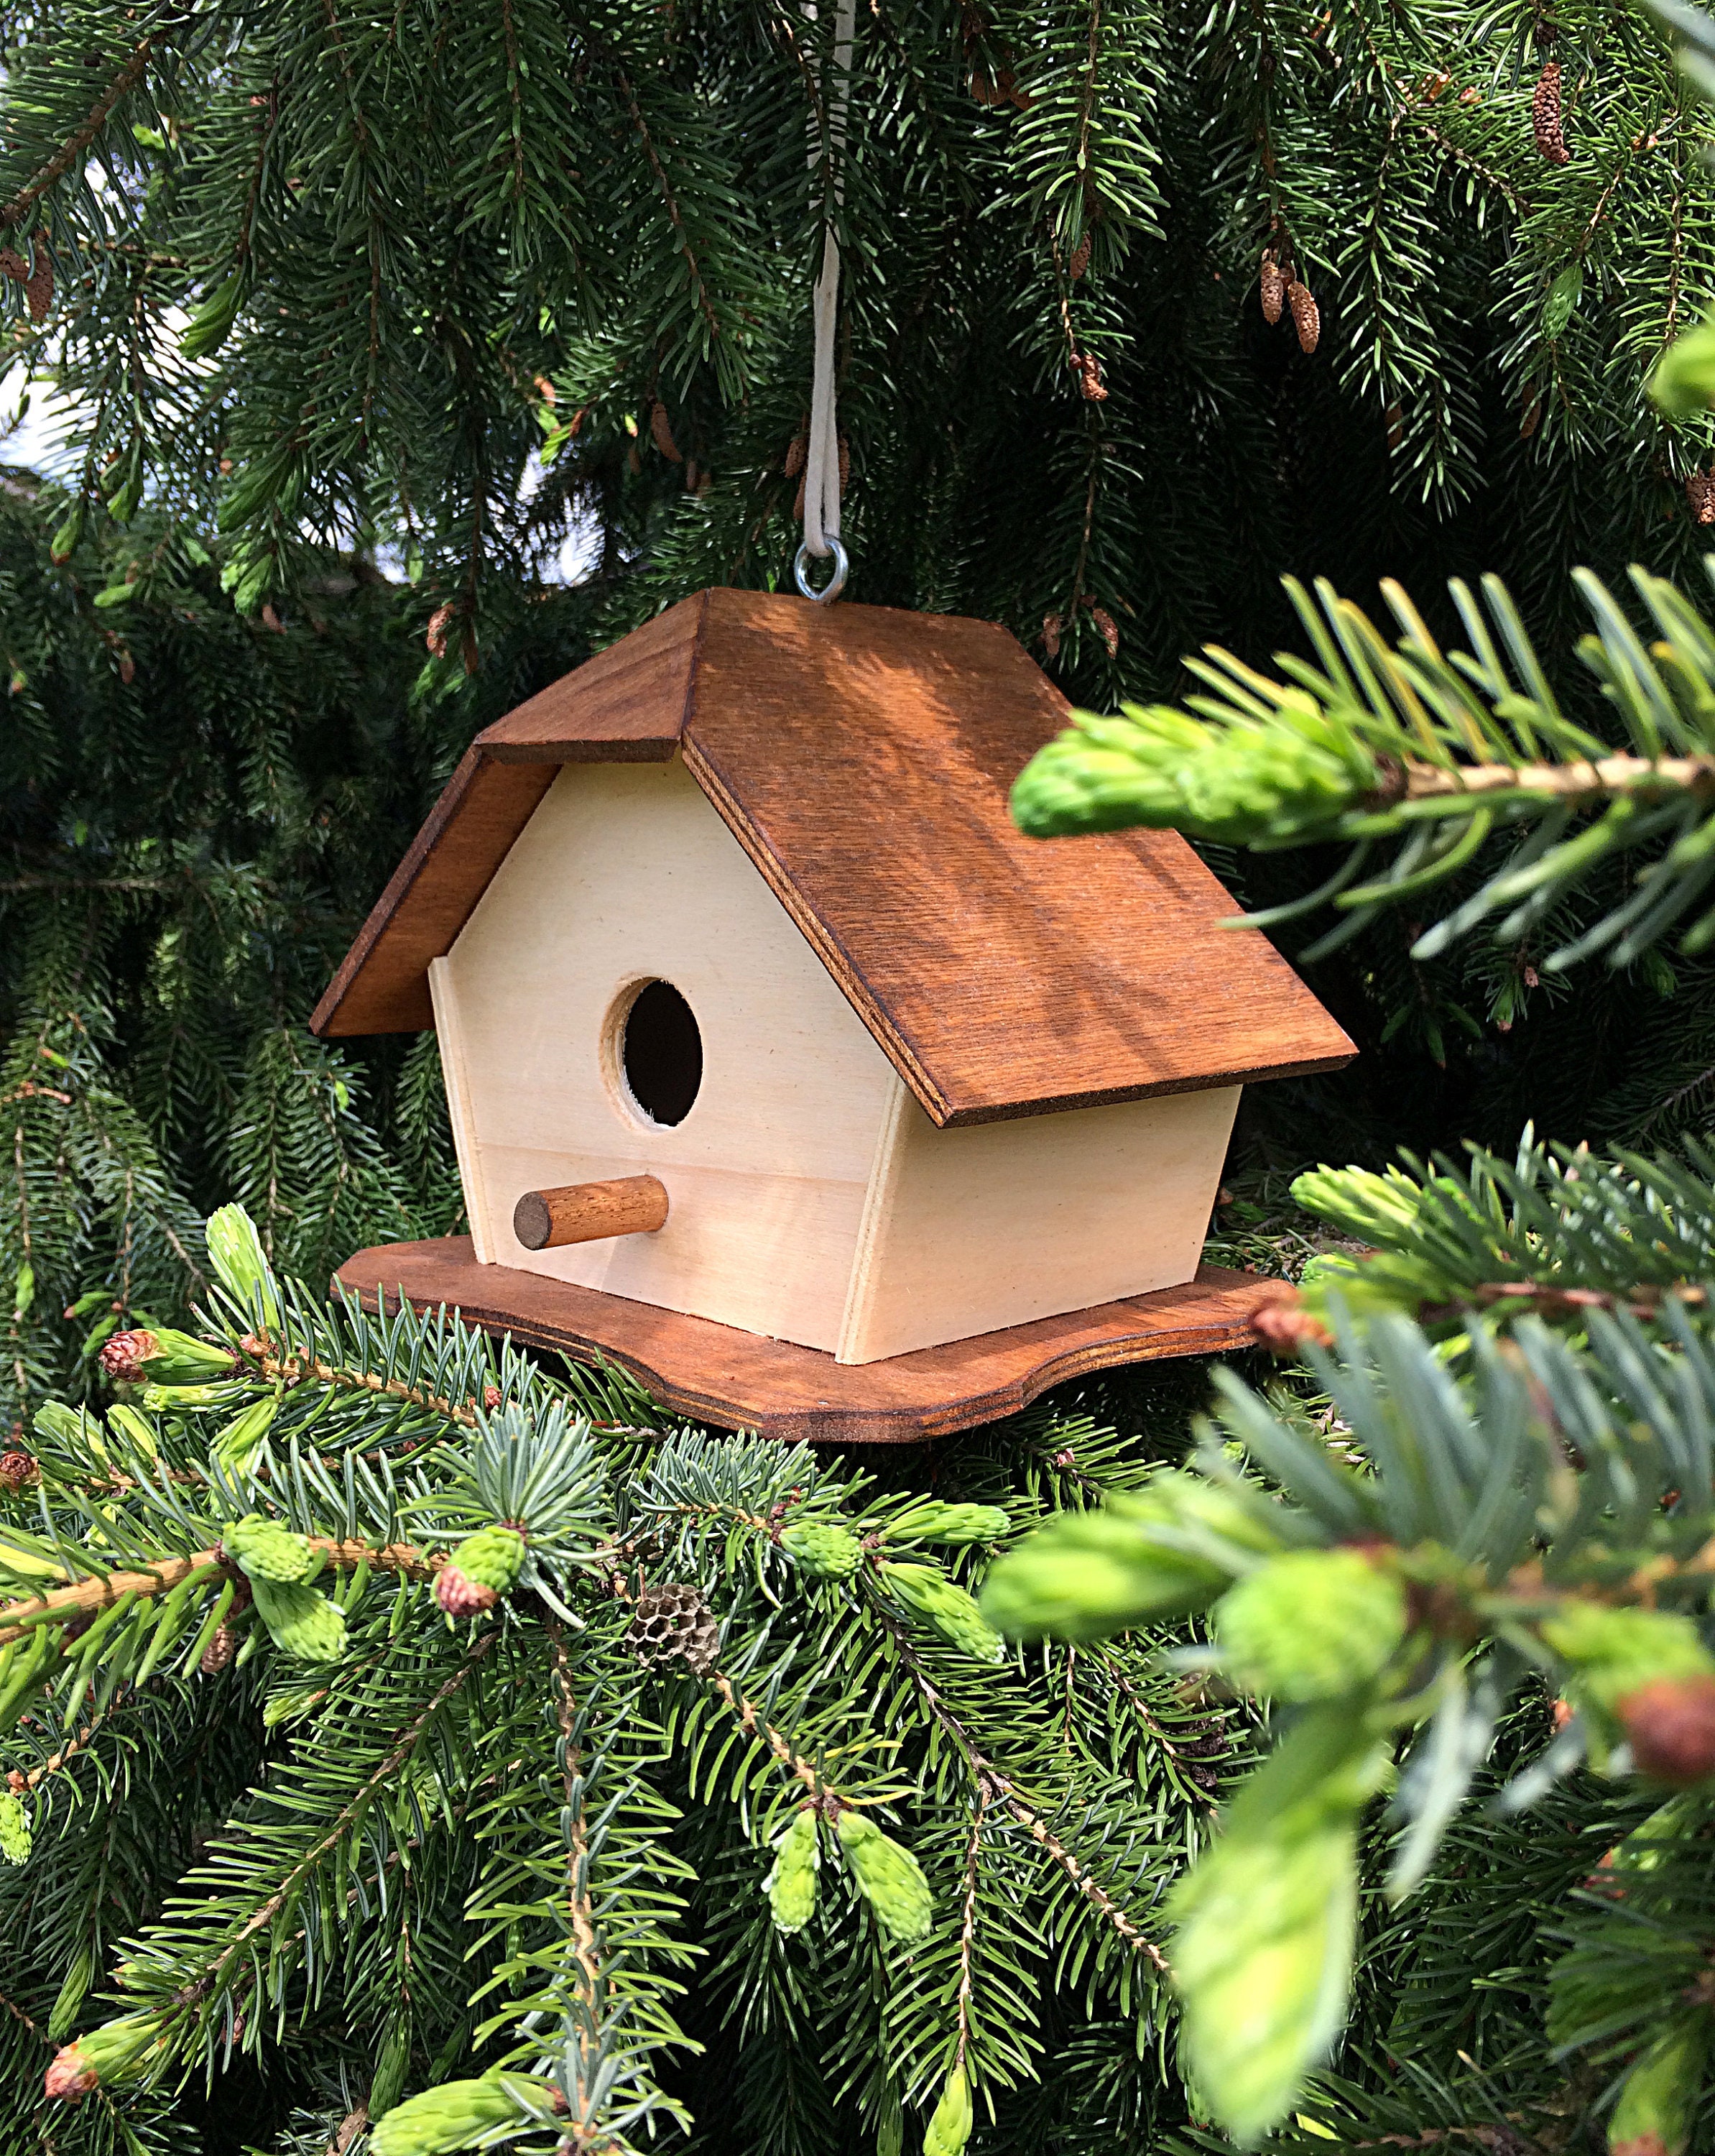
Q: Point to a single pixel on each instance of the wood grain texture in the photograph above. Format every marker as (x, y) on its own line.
(993, 1225)
(864, 758)
(590, 1212)
(626, 875)
(626, 705)
(382, 984)
(739, 1381)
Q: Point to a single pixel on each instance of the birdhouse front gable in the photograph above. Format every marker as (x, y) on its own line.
(808, 1195)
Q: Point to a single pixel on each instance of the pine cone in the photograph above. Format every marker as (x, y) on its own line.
(1532, 416)
(1272, 283)
(1051, 625)
(1080, 260)
(1699, 492)
(1545, 115)
(217, 1654)
(845, 462)
(674, 1622)
(1306, 315)
(1106, 628)
(1283, 1328)
(439, 623)
(662, 434)
(124, 1356)
(19, 1471)
(796, 451)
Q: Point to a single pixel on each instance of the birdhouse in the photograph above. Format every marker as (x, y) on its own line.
(782, 1069)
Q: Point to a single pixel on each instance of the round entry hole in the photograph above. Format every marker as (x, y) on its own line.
(661, 1053)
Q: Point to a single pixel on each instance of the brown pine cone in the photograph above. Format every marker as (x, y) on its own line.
(1273, 285)
(1545, 115)
(674, 1622)
(1306, 315)
(1080, 260)
(19, 1471)
(662, 434)
(124, 1355)
(217, 1654)
(1699, 492)
(796, 451)
(1051, 634)
(439, 623)
(1106, 628)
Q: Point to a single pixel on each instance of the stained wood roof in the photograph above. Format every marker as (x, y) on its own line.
(863, 757)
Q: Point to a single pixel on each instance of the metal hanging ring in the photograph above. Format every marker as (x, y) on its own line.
(836, 583)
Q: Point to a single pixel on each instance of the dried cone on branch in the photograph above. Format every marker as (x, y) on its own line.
(1306, 315)
(674, 1622)
(1273, 285)
(1545, 115)
(19, 1471)
(1671, 1726)
(1080, 260)
(217, 1654)
(1699, 492)
(1088, 370)
(662, 434)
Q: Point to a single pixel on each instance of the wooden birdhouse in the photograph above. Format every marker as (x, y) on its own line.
(782, 1069)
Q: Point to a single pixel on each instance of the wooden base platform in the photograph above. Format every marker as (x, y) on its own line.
(738, 1380)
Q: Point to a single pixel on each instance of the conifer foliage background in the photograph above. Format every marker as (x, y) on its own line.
(436, 287)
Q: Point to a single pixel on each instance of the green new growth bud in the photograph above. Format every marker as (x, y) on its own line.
(1234, 780)
(823, 1550)
(1311, 1625)
(209, 327)
(102, 2056)
(1659, 2096)
(457, 2114)
(392, 2063)
(301, 1621)
(73, 1991)
(485, 1567)
(1372, 1207)
(949, 2128)
(63, 544)
(265, 1550)
(238, 1445)
(926, 1590)
(933, 1522)
(235, 1251)
(791, 1884)
(1615, 1651)
(14, 1829)
(890, 1878)
(1267, 1923)
(1683, 381)
(1165, 1551)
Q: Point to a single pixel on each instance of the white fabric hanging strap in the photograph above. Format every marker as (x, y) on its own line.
(821, 462)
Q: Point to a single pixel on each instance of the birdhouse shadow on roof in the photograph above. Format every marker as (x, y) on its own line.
(953, 1080)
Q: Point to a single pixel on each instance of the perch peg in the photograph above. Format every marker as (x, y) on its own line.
(589, 1212)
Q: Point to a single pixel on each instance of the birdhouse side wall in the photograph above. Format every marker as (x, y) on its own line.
(969, 1229)
(625, 874)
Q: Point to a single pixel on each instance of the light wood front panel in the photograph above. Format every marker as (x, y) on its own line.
(625, 873)
(969, 1230)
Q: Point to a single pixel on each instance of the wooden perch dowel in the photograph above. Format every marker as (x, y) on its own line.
(588, 1211)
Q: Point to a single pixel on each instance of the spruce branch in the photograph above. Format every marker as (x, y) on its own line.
(73, 149)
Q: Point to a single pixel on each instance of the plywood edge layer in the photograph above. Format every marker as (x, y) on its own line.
(739, 1380)
(468, 1153)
